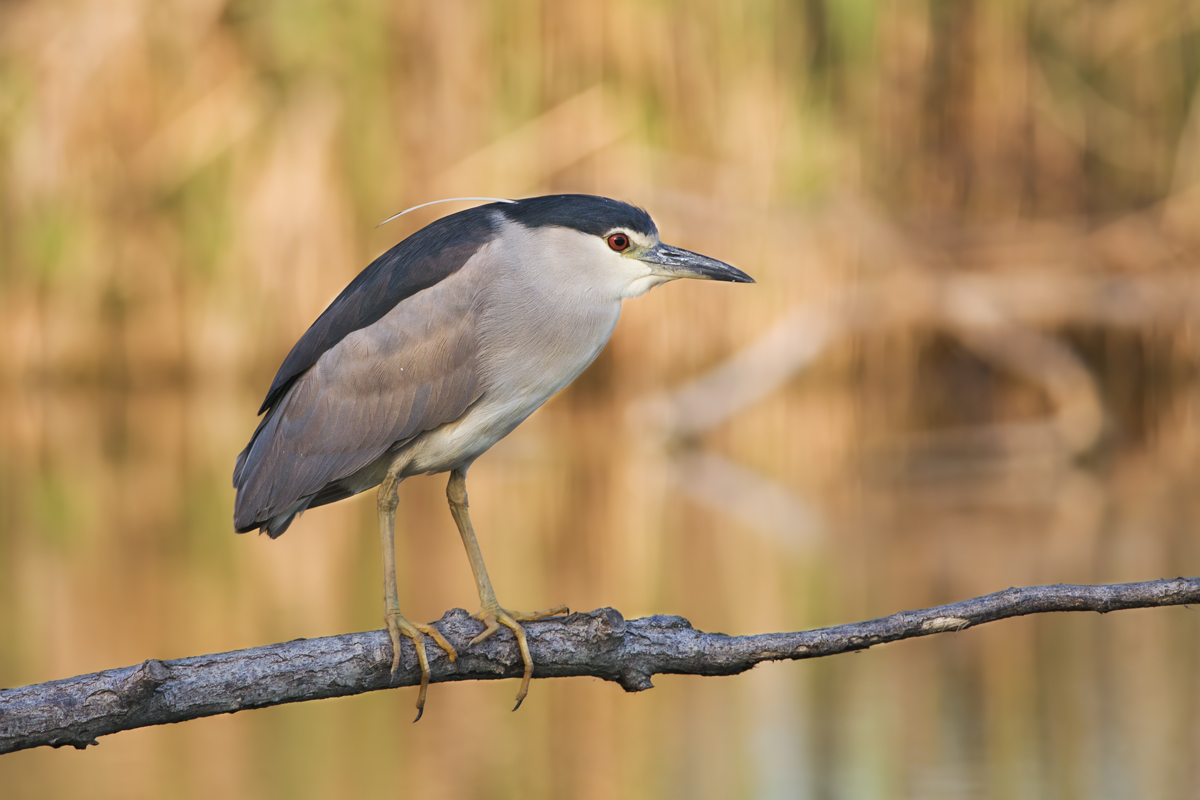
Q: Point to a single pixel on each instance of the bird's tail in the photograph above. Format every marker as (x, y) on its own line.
(247, 518)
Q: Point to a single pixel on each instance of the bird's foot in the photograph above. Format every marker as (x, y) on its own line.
(397, 626)
(493, 616)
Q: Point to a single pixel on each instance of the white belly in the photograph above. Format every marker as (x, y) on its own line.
(526, 370)
(457, 444)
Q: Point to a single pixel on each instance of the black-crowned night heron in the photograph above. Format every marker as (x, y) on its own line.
(438, 350)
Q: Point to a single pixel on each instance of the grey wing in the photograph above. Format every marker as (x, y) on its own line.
(410, 372)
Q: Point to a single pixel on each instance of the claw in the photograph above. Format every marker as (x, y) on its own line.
(397, 625)
(492, 627)
(493, 618)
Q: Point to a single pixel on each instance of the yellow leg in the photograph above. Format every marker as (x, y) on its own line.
(490, 612)
(397, 625)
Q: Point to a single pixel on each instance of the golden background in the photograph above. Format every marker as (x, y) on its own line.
(969, 363)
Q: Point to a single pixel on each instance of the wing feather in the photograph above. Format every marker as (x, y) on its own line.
(411, 371)
(421, 261)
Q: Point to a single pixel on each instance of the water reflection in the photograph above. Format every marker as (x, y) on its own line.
(115, 546)
(974, 229)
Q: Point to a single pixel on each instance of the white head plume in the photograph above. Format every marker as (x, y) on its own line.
(446, 200)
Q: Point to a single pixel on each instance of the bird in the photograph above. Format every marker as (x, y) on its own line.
(437, 350)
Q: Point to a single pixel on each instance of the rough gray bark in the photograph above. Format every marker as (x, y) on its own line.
(601, 644)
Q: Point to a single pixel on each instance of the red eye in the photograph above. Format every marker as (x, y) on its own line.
(618, 242)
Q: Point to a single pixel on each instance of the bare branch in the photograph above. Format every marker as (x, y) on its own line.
(600, 644)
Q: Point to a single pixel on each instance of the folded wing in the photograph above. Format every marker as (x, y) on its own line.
(378, 388)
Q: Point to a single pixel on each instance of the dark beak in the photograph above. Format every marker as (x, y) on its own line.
(679, 263)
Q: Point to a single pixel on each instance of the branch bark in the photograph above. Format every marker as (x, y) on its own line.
(601, 644)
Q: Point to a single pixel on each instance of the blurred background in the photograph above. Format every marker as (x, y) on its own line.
(969, 362)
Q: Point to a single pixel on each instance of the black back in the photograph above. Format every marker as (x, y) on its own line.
(434, 253)
(425, 258)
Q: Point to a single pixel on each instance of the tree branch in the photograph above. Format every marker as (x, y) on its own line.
(601, 644)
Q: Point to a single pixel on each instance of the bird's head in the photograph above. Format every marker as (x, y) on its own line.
(615, 242)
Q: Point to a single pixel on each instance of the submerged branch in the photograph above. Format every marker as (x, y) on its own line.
(600, 644)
